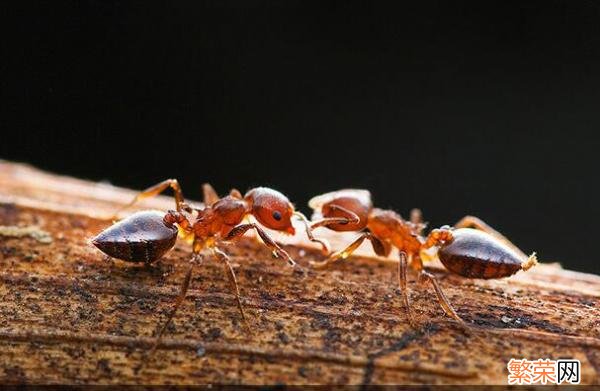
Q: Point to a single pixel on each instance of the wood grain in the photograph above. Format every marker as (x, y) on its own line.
(69, 317)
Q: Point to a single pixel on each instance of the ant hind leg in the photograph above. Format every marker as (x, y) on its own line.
(233, 280)
(417, 264)
(155, 190)
(441, 296)
(402, 268)
(182, 293)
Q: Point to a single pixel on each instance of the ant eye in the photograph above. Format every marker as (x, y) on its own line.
(277, 215)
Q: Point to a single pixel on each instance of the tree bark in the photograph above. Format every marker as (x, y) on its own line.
(67, 315)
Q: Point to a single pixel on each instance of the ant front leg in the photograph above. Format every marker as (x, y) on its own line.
(477, 223)
(238, 231)
(155, 190)
(379, 247)
(350, 218)
(325, 247)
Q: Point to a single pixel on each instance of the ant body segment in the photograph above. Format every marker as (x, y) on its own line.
(146, 236)
(471, 253)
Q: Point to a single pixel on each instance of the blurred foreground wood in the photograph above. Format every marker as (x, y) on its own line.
(68, 316)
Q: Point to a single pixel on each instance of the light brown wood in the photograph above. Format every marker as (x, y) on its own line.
(68, 316)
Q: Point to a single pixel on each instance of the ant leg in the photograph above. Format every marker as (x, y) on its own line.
(434, 238)
(235, 193)
(238, 231)
(178, 301)
(352, 218)
(326, 248)
(402, 268)
(233, 280)
(477, 223)
(442, 299)
(416, 219)
(441, 296)
(210, 195)
(156, 190)
(324, 222)
(416, 216)
(378, 246)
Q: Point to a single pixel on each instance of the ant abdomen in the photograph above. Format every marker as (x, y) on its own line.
(475, 254)
(141, 237)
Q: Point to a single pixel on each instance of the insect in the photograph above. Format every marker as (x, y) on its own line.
(146, 236)
(472, 253)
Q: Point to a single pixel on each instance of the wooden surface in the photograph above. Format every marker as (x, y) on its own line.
(68, 316)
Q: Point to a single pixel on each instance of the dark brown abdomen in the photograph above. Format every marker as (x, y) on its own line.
(476, 254)
(141, 237)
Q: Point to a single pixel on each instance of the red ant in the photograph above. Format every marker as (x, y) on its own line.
(472, 253)
(146, 236)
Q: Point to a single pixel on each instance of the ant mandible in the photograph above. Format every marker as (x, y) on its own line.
(147, 235)
(472, 253)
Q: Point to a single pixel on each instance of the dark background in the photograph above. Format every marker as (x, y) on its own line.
(487, 108)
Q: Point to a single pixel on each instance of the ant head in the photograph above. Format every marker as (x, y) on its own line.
(271, 208)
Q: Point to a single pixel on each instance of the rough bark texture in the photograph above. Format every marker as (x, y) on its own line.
(69, 316)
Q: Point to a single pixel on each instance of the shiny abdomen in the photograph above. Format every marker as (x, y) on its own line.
(476, 254)
(141, 237)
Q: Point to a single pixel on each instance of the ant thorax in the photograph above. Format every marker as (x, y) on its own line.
(389, 226)
(220, 218)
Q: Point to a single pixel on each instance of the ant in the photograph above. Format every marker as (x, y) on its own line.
(147, 235)
(472, 253)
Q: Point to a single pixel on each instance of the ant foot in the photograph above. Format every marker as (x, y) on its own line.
(301, 270)
(280, 253)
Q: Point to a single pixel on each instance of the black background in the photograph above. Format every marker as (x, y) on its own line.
(486, 108)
